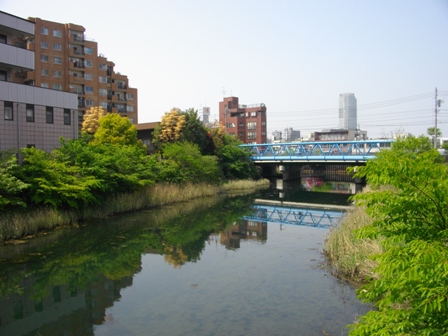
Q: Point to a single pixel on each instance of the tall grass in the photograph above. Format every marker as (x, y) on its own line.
(348, 255)
(17, 225)
(244, 184)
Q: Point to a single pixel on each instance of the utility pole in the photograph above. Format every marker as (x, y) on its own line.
(435, 127)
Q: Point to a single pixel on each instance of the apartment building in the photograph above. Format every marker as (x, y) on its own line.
(66, 60)
(247, 122)
(30, 116)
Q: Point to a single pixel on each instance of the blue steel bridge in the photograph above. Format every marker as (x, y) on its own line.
(317, 151)
(322, 218)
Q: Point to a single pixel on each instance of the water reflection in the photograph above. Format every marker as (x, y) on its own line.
(115, 277)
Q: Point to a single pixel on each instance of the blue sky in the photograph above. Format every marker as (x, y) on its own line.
(295, 56)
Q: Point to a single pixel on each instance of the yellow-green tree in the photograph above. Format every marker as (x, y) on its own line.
(170, 127)
(117, 130)
(90, 121)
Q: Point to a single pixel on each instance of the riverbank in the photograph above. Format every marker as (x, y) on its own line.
(349, 256)
(17, 225)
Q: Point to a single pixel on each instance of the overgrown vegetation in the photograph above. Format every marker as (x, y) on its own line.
(107, 171)
(410, 282)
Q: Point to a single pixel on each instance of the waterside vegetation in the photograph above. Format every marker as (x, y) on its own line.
(395, 240)
(107, 171)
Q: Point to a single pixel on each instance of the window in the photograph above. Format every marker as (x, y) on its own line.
(44, 58)
(231, 125)
(3, 38)
(251, 135)
(57, 74)
(131, 120)
(102, 92)
(253, 114)
(88, 51)
(241, 124)
(89, 89)
(9, 111)
(49, 114)
(102, 66)
(57, 60)
(102, 79)
(57, 87)
(88, 63)
(129, 108)
(251, 125)
(57, 33)
(89, 102)
(44, 31)
(44, 85)
(103, 105)
(44, 72)
(67, 120)
(129, 96)
(263, 123)
(57, 46)
(44, 45)
(88, 76)
(3, 75)
(29, 113)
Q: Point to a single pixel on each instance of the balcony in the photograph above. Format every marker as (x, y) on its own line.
(16, 57)
(74, 78)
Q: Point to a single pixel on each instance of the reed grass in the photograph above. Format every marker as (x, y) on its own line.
(348, 255)
(244, 184)
(16, 225)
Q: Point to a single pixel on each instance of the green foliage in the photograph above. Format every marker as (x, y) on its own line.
(410, 210)
(415, 202)
(195, 132)
(117, 130)
(11, 186)
(235, 163)
(182, 162)
(53, 182)
(431, 131)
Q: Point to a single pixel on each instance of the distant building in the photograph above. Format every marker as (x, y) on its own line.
(348, 112)
(30, 116)
(246, 122)
(205, 116)
(340, 135)
(291, 135)
(276, 136)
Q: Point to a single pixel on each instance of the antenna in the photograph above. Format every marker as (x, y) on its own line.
(223, 92)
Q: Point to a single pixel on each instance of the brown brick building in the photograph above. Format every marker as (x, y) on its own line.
(66, 60)
(247, 122)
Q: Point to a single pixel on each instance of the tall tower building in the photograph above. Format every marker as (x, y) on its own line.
(348, 112)
(66, 60)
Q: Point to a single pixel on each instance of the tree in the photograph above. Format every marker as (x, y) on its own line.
(115, 129)
(431, 132)
(11, 186)
(170, 128)
(408, 204)
(91, 119)
(195, 132)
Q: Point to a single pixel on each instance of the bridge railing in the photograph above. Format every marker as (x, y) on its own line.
(318, 151)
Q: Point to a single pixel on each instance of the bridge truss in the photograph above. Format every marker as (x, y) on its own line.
(319, 151)
(295, 216)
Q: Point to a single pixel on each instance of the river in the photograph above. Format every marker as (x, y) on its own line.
(204, 267)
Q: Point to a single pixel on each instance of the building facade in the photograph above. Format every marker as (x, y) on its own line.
(66, 60)
(30, 116)
(246, 122)
(348, 111)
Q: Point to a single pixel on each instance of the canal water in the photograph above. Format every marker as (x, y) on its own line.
(215, 266)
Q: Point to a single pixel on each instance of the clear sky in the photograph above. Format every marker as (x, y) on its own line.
(295, 56)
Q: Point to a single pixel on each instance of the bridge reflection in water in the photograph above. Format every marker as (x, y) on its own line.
(320, 216)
